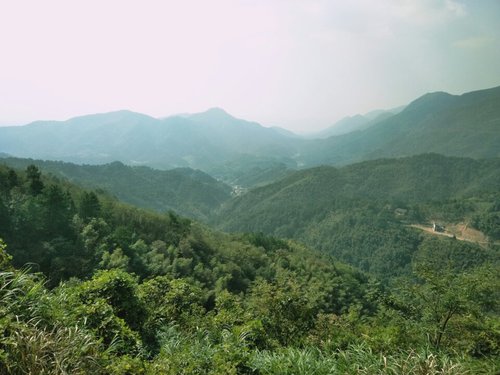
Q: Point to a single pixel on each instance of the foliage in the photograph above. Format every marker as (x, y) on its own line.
(114, 289)
(356, 360)
(362, 213)
(188, 192)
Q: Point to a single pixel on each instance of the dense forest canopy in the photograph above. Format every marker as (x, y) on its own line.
(366, 214)
(92, 285)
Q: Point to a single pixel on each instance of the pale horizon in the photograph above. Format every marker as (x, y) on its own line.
(301, 66)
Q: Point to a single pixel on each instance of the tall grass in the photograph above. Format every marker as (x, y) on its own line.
(61, 350)
(355, 360)
(30, 343)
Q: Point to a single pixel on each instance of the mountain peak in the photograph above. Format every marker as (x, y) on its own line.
(429, 101)
(217, 113)
(216, 110)
(214, 114)
(112, 116)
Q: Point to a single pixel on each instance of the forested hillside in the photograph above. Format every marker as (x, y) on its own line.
(466, 125)
(361, 213)
(90, 285)
(188, 192)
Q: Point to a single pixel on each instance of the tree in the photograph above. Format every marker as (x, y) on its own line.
(172, 302)
(90, 206)
(116, 259)
(12, 178)
(57, 215)
(5, 218)
(284, 308)
(34, 179)
(449, 301)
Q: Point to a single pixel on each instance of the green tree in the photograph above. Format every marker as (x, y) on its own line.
(116, 259)
(172, 302)
(58, 212)
(12, 178)
(90, 206)
(35, 183)
(446, 302)
(284, 308)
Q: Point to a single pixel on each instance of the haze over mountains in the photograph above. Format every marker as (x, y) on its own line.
(146, 277)
(357, 122)
(466, 125)
(212, 243)
(200, 140)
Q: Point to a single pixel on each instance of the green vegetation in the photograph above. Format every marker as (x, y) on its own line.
(90, 285)
(362, 213)
(249, 171)
(186, 191)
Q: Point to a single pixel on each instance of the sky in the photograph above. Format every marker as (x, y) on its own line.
(298, 64)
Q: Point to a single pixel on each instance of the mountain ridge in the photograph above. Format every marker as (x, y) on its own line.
(454, 125)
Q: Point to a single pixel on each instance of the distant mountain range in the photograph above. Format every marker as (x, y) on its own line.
(357, 122)
(466, 125)
(200, 141)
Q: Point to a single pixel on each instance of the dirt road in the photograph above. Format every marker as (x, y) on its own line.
(459, 231)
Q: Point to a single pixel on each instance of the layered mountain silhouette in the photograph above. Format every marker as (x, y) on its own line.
(357, 122)
(465, 125)
(200, 141)
(316, 192)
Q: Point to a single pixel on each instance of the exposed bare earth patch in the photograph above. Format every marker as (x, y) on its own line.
(460, 231)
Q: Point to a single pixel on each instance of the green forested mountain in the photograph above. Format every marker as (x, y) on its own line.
(361, 213)
(186, 191)
(201, 140)
(466, 125)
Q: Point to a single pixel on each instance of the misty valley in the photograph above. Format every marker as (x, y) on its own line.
(207, 244)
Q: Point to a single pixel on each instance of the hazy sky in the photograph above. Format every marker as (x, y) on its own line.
(301, 65)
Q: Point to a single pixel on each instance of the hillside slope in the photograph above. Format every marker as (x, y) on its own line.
(360, 212)
(188, 192)
(467, 125)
